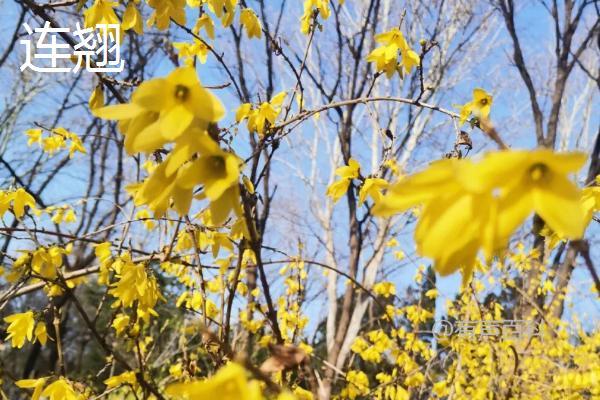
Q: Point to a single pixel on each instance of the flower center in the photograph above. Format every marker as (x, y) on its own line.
(483, 102)
(217, 164)
(538, 171)
(181, 92)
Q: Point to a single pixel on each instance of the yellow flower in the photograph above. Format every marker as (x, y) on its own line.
(176, 370)
(122, 379)
(22, 199)
(372, 187)
(358, 385)
(40, 333)
(205, 22)
(76, 145)
(385, 57)
(243, 112)
(102, 252)
(385, 289)
(214, 168)
(34, 135)
(166, 107)
(338, 188)
(134, 285)
(322, 8)
(132, 19)
(187, 51)
(452, 209)
(97, 98)
(45, 262)
(250, 21)
(537, 181)
(410, 59)
(145, 215)
(120, 323)
(164, 11)
(229, 383)
(590, 201)
(258, 118)
(480, 106)
(468, 206)
(70, 216)
(60, 390)
(224, 205)
(53, 143)
(299, 393)
(224, 9)
(5, 199)
(20, 328)
(440, 388)
(101, 12)
(36, 384)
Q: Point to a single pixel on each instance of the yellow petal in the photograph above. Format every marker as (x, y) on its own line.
(154, 95)
(175, 121)
(559, 205)
(118, 111)
(149, 139)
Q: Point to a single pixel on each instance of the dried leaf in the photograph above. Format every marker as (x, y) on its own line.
(284, 357)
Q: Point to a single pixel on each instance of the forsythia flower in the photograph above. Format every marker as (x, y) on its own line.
(58, 137)
(183, 116)
(122, 379)
(145, 215)
(20, 328)
(205, 22)
(537, 181)
(120, 323)
(62, 214)
(358, 385)
(164, 11)
(60, 390)
(102, 252)
(372, 187)
(34, 135)
(479, 106)
(216, 169)
(20, 199)
(321, 7)
(36, 384)
(135, 286)
(45, 262)
(250, 21)
(224, 9)
(337, 189)
(258, 118)
(96, 99)
(40, 333)
(174, 102)
(386, 56)
(101, 12)
(132, 19)
(385, 289)
(469, 205)
(590, 201)
(229, 383)
(187, 51)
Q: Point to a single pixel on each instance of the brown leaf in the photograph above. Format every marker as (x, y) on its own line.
(284, 356)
